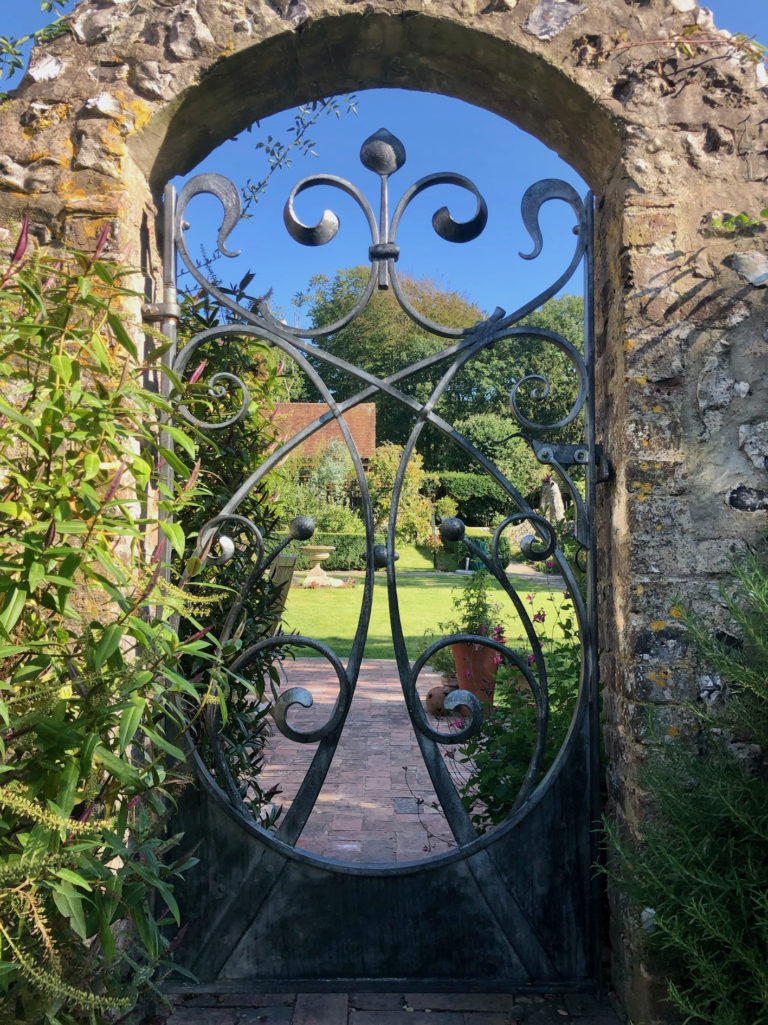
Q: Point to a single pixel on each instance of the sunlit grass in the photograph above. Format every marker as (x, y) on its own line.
(331, 615)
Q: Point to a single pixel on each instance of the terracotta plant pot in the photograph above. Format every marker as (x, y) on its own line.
(476, 668)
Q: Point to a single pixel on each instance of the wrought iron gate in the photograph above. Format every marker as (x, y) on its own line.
(509, 909)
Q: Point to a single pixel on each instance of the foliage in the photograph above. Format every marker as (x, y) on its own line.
(90, 725)
(384, 339)
(696, 41)
(322, 484)
(414, 511)
(700, 873)
(280, 154)
(733, 224)
(475, 610)
(226, 459)
(496, 760)
(478, 497)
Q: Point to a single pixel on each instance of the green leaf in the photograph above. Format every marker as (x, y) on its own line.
(129, 722)
(14, 415)
(173, 461)
(163, 744)
(181, 439)
(13, 606)
(122, 336)
(103, 272)
(108, 644)
(73, 877)
(35, 575)
(106, 937)
(175, 534)
(91, 464)
(62, 367)
(121, 770)
(70, 904)
(70, 777)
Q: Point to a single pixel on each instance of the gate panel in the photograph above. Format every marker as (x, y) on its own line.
(512, 908)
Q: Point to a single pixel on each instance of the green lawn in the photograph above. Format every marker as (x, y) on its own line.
(330, 614)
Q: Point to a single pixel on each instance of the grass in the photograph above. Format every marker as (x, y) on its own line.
(330, 615)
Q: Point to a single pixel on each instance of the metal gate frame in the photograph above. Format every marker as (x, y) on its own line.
(523, 908)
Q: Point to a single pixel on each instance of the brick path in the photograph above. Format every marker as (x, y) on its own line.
(368, 809)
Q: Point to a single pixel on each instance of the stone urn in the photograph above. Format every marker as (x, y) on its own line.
(317, 577)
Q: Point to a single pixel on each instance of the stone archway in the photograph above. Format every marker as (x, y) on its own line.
(104, 116)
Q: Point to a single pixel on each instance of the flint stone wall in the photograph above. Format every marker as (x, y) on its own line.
(142, 89)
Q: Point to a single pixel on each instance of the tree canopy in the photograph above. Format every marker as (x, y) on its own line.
(383, 339)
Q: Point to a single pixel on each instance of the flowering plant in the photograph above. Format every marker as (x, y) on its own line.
(476, 611)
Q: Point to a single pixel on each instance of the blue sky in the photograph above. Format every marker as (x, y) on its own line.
(439, 134)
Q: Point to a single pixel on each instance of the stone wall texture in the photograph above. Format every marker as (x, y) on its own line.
(141, 89)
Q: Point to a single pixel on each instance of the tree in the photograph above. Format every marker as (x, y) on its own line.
(383, 339)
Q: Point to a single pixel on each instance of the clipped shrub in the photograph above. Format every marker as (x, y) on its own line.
(479, 499)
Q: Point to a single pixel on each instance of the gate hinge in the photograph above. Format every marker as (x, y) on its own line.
(151, 312)
(573, 455)
(603, 467)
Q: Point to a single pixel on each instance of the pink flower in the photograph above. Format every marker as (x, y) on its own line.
(529, 597)
(550, 564)
(539, 617)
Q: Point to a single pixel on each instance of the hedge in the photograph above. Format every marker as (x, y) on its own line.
(480, 499)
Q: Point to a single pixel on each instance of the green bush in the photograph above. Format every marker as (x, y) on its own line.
(479, 499)
(698, 877)
(457, 552)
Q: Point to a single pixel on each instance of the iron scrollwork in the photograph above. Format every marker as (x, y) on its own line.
(384, 155)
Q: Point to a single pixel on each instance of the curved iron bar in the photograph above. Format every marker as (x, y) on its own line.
(474, 339)
(299, 695)
(383, 250)
(295, 349)
(447, 228)
(456, 815)
(533, 199)
(295, 819)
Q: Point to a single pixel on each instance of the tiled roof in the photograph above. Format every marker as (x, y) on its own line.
(361, 420)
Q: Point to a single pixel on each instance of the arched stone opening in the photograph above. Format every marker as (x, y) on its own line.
(347, 53)
(679, 317)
